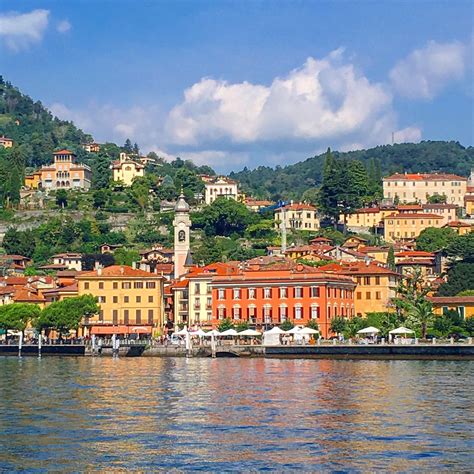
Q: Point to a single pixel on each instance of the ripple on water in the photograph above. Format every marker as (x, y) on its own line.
(79, 414)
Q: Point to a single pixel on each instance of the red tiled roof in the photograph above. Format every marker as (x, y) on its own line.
(413, 216)
(439, 206)
(451, 299)
(409, 207)
(296, 207)
(424, 177)
(25, 295)
(417, 261)
(457, 224)
(414, 253)
(63, 152)
(118, 271)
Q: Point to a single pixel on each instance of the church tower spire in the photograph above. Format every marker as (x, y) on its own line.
(182, 226)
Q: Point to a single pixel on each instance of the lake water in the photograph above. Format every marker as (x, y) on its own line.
(76, 414)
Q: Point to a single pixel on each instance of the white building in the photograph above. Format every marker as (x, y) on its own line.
(221, 187)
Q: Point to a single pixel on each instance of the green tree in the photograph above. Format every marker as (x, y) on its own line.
(67, 314)
(226, 324)
(100, 198)
(460, 277)
(437, 199)
(101, 172)
(61, 198)
(391, 258)
(312, 324)
(433, 239)
(16, 316)
(287, 325)
(420, 314)
(123, 256)
(242, 326)
(338, 325)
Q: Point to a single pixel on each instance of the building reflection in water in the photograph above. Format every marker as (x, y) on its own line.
(146, 413)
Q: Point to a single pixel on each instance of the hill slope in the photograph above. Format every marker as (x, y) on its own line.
(291, 181)
(33, 127)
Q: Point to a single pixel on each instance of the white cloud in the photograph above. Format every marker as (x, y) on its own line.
(63, 26)
(20, 30)
(426, 71)
(323, 100)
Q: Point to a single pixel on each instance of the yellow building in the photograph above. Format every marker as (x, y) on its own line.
(376, 285)
(469, 204)
(6, 142)
(406, 226)
(418, 187)
(126, 170)
(461, 228)
(32, 181)
(299, 216)
(129, 298)
(464, 305)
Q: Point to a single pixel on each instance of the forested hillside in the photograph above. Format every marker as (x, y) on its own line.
(293, 180)
(34, 128)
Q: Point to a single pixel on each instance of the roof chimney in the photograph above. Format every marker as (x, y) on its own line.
(122, 270)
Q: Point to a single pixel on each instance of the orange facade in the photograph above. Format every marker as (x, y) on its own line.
(265, 297)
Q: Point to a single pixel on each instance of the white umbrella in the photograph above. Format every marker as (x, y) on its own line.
(401, 330)
(369, 330)
(306, 330)
(199, 333)
(295, 330)
(214, 332)
(275, 330)
(250, 332)
(182, 332)
(229, 332)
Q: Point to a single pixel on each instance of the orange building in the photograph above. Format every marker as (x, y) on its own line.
(269, 294)
(65, 173)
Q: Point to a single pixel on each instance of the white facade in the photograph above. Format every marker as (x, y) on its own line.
(221, 187)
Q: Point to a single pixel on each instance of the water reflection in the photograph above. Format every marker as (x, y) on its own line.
(90, 414)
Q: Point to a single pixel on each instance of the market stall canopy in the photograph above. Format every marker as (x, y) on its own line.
(199, 333)
(275, 330)
(214, 332)
(401, 330)
(229, 332)
(249, 332)
(295, 330)
(306, 330)
(369, 330)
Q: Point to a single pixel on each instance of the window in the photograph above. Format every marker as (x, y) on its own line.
(462, 311)
(298, 312)
(125, 299)
(138, 316)
(115, 299)
(367, 295)
(102, 299)
(114, 316)
(267, 293)
(283, 292)
(366, 280)
(377, 280)
(329, 312)
(125, 316)
(150, 299)
(138, 299)
(251, 293)
(298, 292)
(151, 285)
(378, 295)
(197, 288)
(267, 314)
(150, 316)
(236, 293)
(221, 313)
(86, 285)
(101, 315)
(315, 291)
(236, 312)
(101, 285)
(138, 285)
(251, 312)
(221, 294)
(115, 285)
(126, 285)
(314, 312)
(283, 313)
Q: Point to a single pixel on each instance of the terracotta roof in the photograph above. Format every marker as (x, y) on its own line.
(409, 207)
(13, 257)
(439, 206)
(15, 281)
(425, 215)
(296, 207)
(368, 248)
(63, 152)
(67, 255)
(320, 239)
(25, 295)
(424, 177)
(416, 261)
(257, 202)
(451, 299)
(414, 253)
(368, 210)
(358, 268)
(180, 284)
(457, 224)
(118, 271)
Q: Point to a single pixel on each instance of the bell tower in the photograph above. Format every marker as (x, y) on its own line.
(182, 225)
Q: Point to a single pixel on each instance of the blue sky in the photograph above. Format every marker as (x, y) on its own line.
(243, 83)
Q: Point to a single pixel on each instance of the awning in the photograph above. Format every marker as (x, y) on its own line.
(120, 329)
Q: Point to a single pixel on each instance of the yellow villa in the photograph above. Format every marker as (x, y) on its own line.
(126, 170)
(131, 300)
(408, 226)
(464, 305)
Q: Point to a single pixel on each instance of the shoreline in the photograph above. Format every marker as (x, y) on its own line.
(367, 352)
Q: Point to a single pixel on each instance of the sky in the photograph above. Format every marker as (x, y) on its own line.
(247, 83)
